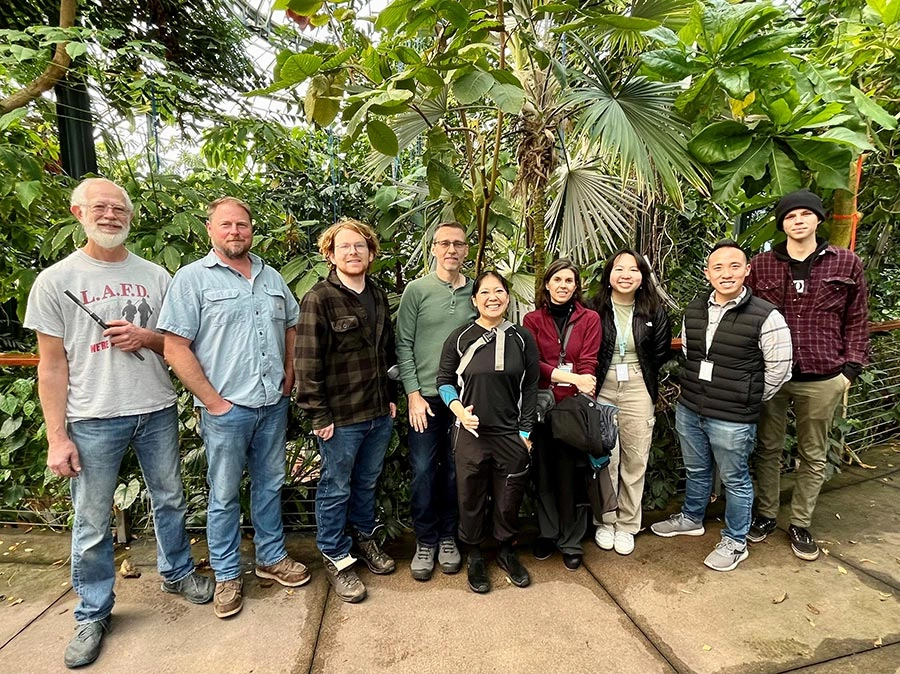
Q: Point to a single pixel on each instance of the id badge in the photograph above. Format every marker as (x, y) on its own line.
(564, 367)
(622, 372)
(706, 370)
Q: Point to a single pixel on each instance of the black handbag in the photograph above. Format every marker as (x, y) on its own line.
(545, 402)
(585, 424)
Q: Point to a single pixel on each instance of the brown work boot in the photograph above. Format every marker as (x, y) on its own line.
(346, 583)
(374, 557)
(287, 572)
(229, 598)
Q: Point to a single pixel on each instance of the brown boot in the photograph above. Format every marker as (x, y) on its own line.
(229, 598)
(287, 572)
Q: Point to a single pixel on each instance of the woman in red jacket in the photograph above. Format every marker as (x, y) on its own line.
(568, 339)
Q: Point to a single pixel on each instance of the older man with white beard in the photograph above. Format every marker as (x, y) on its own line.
(103, 388)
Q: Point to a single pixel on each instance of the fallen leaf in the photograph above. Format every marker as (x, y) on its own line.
(289, 591)
(64, 583)
(129, 570)
(778, 600)
(877, 643)
(707, 648)
(810, 621)
(854, 542)
(194, 540)
(838, 515)
(864, 560)
(685, 591)
(841, 569)
(885, 595)
(812, 609)
(29, 549)
(17, 601)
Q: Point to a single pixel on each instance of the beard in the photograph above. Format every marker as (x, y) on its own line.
(104, 239)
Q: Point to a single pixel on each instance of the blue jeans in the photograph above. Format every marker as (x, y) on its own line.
(351, 464)
(729, 444)
(432, 500)
(251, 436)
(101, 445)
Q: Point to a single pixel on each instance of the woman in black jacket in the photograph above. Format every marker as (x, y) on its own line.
(636, 341)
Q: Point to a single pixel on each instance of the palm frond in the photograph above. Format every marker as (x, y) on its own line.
(592, 212)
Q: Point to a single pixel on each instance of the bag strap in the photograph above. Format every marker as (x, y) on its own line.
(484, 340)
(564, 342)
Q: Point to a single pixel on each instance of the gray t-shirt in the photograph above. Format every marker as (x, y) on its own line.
(104, 382)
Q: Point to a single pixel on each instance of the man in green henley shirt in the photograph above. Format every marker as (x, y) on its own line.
(430, 309)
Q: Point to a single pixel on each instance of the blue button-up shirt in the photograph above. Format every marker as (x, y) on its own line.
(236, 326)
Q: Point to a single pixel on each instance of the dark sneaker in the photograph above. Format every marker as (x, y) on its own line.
(229, 597)
(288, 572)
(422, 565)
(571, 562)
(678, 525)
(517, 573)
(195, 587)
(449, 558)
(543, 548)
(347, 585)
(803, 544)
(726, 555)
(374, 557)
(84, 647)
(478, 577)
(760, 528)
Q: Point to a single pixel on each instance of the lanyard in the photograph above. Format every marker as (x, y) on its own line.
(623, 334)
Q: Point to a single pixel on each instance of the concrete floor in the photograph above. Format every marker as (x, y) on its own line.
(657, 610)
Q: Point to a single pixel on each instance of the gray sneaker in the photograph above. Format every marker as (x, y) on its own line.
(346, 583)
(448, 556)
(678, 525)
(726, 555)
(195, 587)
(84, 647)
(422, 565)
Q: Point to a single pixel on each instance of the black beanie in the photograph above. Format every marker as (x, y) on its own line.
(799, 199)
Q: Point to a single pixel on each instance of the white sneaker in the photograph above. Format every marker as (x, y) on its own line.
(624, 543)
(605, 536)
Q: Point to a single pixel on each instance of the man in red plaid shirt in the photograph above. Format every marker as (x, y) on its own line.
(821, 291)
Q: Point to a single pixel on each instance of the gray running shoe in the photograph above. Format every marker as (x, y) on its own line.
(422, 565)
(678, 525)
(726, 555)
(84, 647)
(346, 583)
(448, 556)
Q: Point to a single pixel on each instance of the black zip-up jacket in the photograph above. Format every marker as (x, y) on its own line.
(652, 340)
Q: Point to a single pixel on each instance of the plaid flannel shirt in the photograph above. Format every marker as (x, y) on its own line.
(341, 356)
(829, 321)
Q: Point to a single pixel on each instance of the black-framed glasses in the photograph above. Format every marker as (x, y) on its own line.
(459, 245)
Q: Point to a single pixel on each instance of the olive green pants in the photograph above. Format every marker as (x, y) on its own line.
(814, 404)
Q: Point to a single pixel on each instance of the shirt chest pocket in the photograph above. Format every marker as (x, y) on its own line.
(348, 333)
(770, 291)
(221, 307)
(276, 304)
(834, 293)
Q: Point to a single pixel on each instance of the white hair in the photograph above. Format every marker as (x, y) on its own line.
(79, 194)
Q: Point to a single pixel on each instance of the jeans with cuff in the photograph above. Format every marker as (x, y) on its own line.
(352, 460)
(704, 440)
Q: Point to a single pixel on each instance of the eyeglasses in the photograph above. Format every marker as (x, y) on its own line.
(345, 248)
(459, 245)
(101, 209)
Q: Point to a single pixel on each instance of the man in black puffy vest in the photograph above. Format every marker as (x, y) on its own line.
(737, 354)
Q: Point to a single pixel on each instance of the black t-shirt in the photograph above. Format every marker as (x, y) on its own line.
(367, 299)
(504, 401)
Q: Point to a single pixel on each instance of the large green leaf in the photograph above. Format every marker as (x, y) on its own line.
(845, 136)
(669, 64)
(508, 97)
(735, 80)
(763, 45)
(472, 86)
(28, 191)
(729, 179)
(721, 142)
(888, 10)
(382, 138)
(125, 495)
(391, 18)
(870, 109)
(299, 67)
(829, 162)
(783, 173)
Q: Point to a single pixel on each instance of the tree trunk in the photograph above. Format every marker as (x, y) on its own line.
(54, 71)
(845, 217)
(536, 211)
